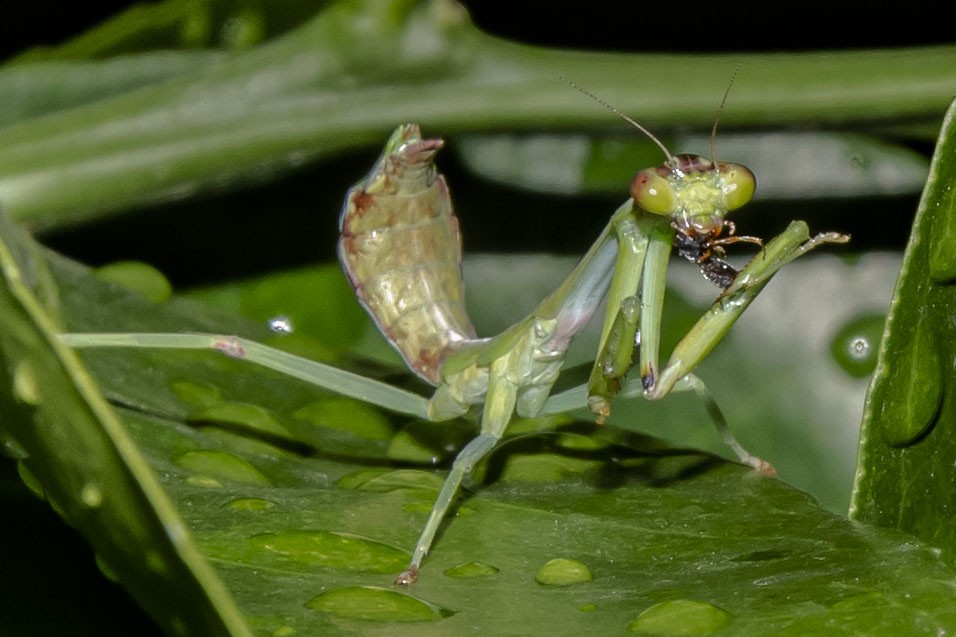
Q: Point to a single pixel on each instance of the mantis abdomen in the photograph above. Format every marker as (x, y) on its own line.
(401, 249)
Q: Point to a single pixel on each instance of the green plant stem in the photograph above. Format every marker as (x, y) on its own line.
(339, 82)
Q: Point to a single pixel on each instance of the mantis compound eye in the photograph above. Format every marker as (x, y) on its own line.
(653, 193)
(738, 184)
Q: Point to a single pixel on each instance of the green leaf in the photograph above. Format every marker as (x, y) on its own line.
(906, 470)
(89, 469)
(305, 527)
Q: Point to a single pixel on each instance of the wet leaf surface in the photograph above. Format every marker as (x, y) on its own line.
(306, 536)
(906, 474)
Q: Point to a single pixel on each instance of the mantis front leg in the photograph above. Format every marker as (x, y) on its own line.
(676, 375)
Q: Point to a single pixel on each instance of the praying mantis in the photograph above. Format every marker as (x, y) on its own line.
(400, 248)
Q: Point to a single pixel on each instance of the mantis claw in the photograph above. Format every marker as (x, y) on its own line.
(407, 577)
(600, 407)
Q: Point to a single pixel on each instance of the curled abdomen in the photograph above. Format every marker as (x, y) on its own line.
(401, 249)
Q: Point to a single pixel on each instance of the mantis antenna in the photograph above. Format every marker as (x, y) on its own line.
(660, 144)
(720, 109)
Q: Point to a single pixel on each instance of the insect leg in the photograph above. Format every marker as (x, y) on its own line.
(499, 406)
(621, 318)
(713, 325)
(690, 382)
(338, 380)
(653, 288)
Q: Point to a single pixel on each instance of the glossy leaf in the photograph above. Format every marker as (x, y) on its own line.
(76, 450)
(906, 472)
(306, 522)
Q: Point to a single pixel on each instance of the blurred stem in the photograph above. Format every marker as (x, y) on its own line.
(359, 67)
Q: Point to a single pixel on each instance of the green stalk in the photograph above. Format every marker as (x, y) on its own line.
(360, 67)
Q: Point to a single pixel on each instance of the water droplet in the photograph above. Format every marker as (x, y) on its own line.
(204, 481)
(384, 480)
(942, 257)
(375, 604)
(587, 608)
(25, 386)
(281, 325)
(13, 449)
(912, 390)
(242, 30)
(284, 631)
(328, 549)
(198, 394)
(471, 569)
(245, 414)
(250, 504)
(108, 571)
(347, 415)
(563, 572)
(91, 495)
(30, 480)
(137, 277)
(218, 465)
(427, 442)
(156, 563)
(681, 617)
(856, 344)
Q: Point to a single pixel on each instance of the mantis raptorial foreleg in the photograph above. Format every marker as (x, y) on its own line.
(400, 248)
(699, 341)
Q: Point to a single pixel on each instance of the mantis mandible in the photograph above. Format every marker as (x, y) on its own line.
(401, 250)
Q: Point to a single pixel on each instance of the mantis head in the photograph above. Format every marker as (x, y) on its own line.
(695, 192)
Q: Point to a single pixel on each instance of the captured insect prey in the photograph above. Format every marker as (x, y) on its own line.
(400, 247)
(694, 191)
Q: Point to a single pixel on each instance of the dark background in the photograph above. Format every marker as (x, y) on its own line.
(622, 25)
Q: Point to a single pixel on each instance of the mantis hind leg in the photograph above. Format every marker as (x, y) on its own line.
(499, 405)
(467, 458)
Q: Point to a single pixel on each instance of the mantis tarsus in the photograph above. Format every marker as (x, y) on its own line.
(401, 249)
